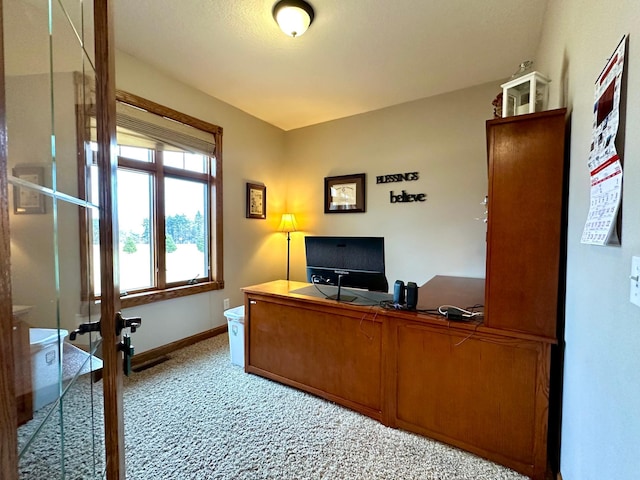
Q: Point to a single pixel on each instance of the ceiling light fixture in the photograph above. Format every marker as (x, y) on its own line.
(293, 16)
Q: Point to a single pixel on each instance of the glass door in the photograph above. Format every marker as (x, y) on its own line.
(54, 222)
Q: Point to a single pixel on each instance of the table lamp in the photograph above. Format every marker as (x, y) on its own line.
(288, 224)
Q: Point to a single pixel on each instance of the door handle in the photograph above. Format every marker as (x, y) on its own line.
(121, 323)
(124, 346)
(85, 328)
(128, 350)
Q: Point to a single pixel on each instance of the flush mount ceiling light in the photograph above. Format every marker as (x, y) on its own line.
(293, 16)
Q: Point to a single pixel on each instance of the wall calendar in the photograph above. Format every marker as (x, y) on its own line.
(605, 165)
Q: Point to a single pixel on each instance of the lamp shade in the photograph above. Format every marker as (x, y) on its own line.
(288, 223)
(293, 16)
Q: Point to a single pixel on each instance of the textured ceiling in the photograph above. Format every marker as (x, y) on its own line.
(357, 56)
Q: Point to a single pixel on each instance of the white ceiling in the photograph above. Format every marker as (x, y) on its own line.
(357, 56)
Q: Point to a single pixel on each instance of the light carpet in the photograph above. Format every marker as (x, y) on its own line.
(196, 416)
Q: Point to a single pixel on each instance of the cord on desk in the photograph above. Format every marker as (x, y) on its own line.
(467, 337)
(454, 313)
(375, 315)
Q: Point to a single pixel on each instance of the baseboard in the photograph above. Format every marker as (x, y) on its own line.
(151, 356)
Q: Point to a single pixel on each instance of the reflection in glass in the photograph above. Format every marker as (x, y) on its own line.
(59, 392)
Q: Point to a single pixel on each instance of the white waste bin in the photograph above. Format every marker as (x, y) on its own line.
(235, 323)
(46, 354)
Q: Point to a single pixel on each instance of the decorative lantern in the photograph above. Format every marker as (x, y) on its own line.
(526, 94)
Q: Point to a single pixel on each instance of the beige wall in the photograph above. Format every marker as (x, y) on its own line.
(601, 424)
(32, 243)
(442, 138)
(253, 252)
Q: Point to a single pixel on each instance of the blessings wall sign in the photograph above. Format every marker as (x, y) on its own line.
(403, 197)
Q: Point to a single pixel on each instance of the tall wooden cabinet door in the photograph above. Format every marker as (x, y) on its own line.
(525, 226)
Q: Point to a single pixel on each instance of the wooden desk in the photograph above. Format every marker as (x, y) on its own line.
(478, 388)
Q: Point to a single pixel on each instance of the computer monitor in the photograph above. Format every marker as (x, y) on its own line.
(356, 262)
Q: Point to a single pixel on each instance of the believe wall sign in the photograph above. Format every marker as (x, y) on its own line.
(403, 197)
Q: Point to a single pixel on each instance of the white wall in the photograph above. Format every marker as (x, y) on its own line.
(253, 251)
(601, 424)
(442, 138)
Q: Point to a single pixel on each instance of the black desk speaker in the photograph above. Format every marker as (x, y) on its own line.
(398, 293)
(412, 296)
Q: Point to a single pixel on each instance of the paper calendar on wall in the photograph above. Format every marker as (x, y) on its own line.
(605, 165)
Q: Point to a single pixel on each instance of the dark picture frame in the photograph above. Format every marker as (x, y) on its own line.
(345, 194)
(256, 201)
(25, 200)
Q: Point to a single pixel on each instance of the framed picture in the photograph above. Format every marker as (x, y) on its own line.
(256, 201)
(344, 194)
(25, 200)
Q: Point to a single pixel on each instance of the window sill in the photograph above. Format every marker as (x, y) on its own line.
(143, 298)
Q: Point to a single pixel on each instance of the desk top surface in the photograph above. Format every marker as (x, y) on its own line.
(462, 292)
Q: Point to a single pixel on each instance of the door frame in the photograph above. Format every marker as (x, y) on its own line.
(109, 261)
(110, 299)
(8, 416)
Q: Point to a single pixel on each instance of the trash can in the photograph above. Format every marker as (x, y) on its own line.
(235, 323)
(46, 358)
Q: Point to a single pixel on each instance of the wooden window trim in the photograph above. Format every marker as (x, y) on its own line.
(213, 181)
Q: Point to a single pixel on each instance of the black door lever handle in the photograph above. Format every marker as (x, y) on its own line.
(121, 323)
(85, 328)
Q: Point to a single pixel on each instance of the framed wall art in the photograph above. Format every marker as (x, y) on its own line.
(25, 200)
(344, 194)
(256, 201)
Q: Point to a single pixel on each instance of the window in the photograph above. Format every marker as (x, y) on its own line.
(169, 203)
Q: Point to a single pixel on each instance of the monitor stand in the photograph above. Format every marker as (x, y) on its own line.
(341, 298)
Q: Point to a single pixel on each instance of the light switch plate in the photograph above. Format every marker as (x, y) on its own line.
(634, 279)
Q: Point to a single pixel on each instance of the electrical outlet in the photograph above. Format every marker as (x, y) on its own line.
(634, 278)
(226, 304)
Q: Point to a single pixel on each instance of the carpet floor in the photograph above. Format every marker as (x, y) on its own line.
(196, 416)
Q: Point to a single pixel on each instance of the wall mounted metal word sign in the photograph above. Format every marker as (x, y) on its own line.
(398, 177)
(403, 197)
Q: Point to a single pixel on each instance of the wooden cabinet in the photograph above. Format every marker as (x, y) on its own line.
(525, 222)
(482, 392)
(481, 389)
(332, 352)
(22, 362)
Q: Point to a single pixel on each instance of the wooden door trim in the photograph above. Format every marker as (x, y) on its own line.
(8, 417)
(110, 289)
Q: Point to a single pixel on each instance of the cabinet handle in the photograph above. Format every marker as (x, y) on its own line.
(252, 302)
